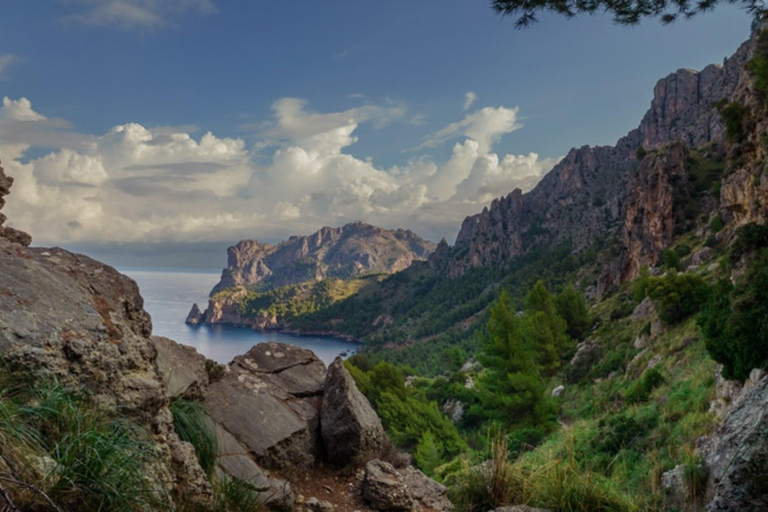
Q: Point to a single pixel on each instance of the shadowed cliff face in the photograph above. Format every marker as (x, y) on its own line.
(344, 252)
(585, 198)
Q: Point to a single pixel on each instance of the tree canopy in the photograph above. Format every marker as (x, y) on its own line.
(625, 12)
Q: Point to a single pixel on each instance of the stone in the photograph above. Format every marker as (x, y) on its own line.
(430, 494)
(701, 256)
(181, 367)
(195, 316)
(269, 399)
(351, 429)
(587, 353)
(558, 391)
(644, 310)
(737, 458)
(383, 488)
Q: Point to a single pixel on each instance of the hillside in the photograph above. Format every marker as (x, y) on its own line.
(596, 219)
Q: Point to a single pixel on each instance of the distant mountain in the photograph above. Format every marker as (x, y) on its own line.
(344, 252)
(347, 252)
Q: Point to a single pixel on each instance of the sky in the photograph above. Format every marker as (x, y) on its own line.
(158, 132)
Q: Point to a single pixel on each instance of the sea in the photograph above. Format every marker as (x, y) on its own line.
(169, 295)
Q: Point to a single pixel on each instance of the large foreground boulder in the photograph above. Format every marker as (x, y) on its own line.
(351, 429)
(269, 400)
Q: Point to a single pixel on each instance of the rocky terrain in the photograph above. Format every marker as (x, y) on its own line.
(591, 197)
(278, 413)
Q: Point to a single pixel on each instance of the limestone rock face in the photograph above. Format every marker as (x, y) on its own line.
(195, 316)
(343, 252)
(738, 457)
(269, 400)
(350, 427)
(584, 198)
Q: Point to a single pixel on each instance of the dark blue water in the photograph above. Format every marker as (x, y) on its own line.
(168, 296)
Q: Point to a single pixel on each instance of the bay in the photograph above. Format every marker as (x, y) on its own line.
(169, 295)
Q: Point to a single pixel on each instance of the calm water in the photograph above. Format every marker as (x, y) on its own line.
(168, 296)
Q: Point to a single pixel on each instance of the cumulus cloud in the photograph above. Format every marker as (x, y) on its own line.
(134, 14)
(148, 185)
(6, 60)
(469, 99)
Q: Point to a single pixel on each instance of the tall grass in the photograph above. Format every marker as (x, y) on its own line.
(541, 478)
(61, 451)
(193, 425)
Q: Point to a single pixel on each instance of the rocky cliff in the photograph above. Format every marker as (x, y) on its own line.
(590, 195)
(344, 252)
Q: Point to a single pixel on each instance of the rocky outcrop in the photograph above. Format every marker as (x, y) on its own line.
(385, 488)
(351, 429)
(344, 252)
(7, 232)
(269, 400)
(584, 199)
(195, 316)
(654, 212)
(737, 459)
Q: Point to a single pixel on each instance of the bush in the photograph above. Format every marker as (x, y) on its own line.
(734, 321)
(749, 238)
(716, 224)
(733, 115)
(233, 495)
(678, 295)
(671, 260)
(192, 425)
(622, 431)
(641, 389)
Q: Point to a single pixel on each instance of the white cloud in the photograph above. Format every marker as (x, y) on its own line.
(469, 99)
(6, 60)
(134, 14)
(139, 184)
(486, 126)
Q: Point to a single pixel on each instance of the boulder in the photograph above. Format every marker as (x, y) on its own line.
(384, 488)
(269, 400)
(430, 494)
(558, 391)
(737, 458)
(195, 316)
(181, 368)
(351, 429)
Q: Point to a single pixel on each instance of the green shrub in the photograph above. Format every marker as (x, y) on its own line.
(677, 295)
(233, 495)
(641, 152)
(734, 321)
(641, 389)
(758, 66)
(749, 238)
(671, 260)
(716, 224)
(623, 430)
(192, 425)
(733, 115)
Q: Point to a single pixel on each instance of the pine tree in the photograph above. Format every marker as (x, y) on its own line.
(544, 328)
(573, 309)
(428, 454)
(511, 389)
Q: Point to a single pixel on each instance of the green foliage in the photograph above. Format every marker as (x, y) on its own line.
(234, 495)
(427, 454)
(749, 238)
(511, 389)
(623, 13)
(572, 307)
(97, 459)
(623, 430)
(641, 152)
(733, 115)
(716, 224)
(406, 413)
(758, 65)
(192, 425)
(678, 295)
(734, 321)
(641, 389)
(671, 260)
